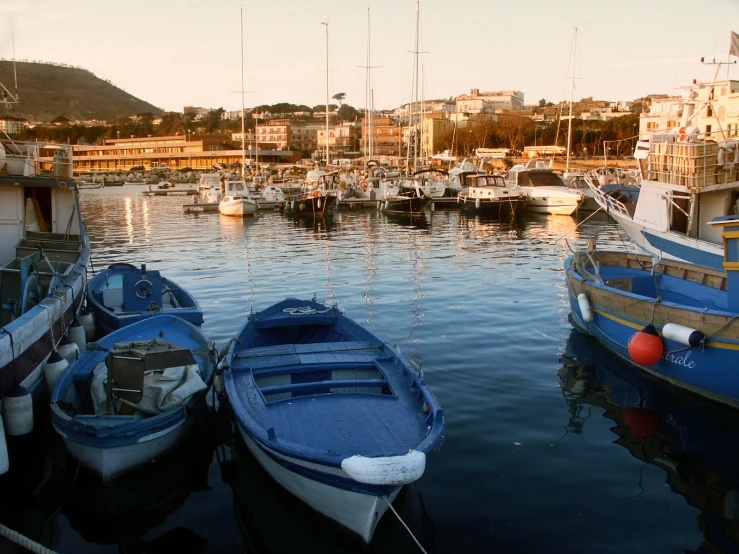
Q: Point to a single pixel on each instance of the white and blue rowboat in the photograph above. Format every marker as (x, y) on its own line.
(132, 396)
(335, 415)
(124, 294)
(676, 321)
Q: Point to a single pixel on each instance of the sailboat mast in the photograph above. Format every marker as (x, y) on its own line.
(327, 141)
(424, 153)
(415, 87)
(572, 91)
(243, 132)
(369, 87)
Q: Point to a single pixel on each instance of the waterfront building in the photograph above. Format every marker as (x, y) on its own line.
(719, 119)
(12, 125)
(435, 126)
(387, 137)
(198, 152)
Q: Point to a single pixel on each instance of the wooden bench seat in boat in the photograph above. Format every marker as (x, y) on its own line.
(55, 250)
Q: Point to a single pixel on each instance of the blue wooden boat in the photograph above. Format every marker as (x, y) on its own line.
(124, 294)
(132, 396)
(674, 320)
(334, 414)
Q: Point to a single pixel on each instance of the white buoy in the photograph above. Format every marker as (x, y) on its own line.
(319, 203)
(683, 335)
(4, 458)
(18, 412)
(477, 203)
(78, 335)
(67, 349)
(53, 369)
(585, 309)
(218, 383)
(292, 204)
(387, 203)
(88, 322)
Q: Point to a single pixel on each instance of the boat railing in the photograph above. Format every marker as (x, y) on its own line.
(607, 202)
(693, 161)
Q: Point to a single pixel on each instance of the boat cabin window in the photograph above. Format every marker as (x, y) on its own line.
(236, 187)
(543, 179)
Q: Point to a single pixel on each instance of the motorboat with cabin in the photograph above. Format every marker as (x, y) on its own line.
(235, 200)
(208, 182)
(488, 194)
(545, 191)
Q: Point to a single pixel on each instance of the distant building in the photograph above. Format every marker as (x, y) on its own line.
(196, 113)
(489, 101)
(12, 124)
(715, 108)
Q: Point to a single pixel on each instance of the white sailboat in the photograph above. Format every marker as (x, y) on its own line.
(235, 200)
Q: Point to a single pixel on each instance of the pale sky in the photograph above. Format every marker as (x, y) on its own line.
(174, 53)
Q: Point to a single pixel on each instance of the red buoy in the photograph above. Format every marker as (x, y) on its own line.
(646, 347)
(641, 421)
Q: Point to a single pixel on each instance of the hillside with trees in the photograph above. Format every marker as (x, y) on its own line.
(48, 91)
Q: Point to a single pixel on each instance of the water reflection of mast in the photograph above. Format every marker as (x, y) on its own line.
(249, 277)
(329, 285)
(369, 279)
(416, 277)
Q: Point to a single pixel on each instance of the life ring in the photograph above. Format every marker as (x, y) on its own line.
(363, 184)
(316, 193)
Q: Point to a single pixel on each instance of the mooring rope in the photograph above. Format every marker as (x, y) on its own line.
(306, 310)
(25, 542)
(400, 519)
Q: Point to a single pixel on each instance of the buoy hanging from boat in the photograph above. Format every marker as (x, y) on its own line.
(646, 347)
(67, 349)
(4, 459)
(18, 411)
(53, 369)
(641, 421)
(477, 203)
(319, 203)
(585, 309)
(682, 334)
(88, 322)
(78, 335)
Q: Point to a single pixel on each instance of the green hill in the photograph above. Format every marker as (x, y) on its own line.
(47, 91)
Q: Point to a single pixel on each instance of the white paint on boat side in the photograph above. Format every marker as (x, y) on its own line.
(114, 461)
(357, 512)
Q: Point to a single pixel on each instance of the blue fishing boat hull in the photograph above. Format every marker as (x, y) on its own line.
(111, 445)
(123, 294)
(332, 413)
(631, 298)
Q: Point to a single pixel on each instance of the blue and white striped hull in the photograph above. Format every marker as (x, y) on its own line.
(357, 511)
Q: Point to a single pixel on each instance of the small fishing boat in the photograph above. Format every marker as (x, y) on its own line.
(132, 396)
(334, 414)
(208, 182)
(123, 294)
(315, 203)
(408, 201)
(235, 200)
(164, 185)
(671, 319)
(488, 194)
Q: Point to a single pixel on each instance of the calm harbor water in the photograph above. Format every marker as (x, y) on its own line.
(550, 444)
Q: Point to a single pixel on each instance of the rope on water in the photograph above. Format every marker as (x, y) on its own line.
(25, 542)
(400, 519)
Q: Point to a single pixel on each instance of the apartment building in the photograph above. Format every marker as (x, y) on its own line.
(489, 101)
(387, 137)
(715, 111)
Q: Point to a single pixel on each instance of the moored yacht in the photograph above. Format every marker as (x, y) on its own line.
(544, 190)
(488, 194)
(235, 200)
